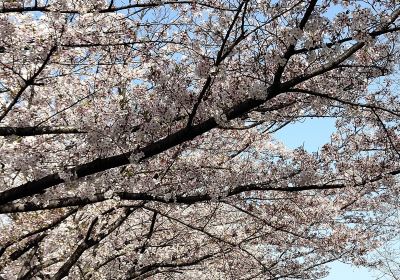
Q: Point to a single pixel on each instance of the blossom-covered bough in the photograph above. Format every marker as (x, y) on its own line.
(137, 137)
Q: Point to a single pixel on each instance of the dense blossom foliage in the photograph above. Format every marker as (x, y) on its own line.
(137, 138)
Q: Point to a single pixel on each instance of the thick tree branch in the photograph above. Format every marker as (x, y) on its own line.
(33, 130)
(31, 243)
(102, 164)
(180, 199)
(109, 9)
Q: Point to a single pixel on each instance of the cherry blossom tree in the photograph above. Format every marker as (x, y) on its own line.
(137, 138)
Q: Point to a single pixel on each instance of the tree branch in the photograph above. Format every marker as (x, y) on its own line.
(40, 230)
(89, 242)
(101, 164)
(290, 50)
(327, 96)
(151, 230)
(33, 130)
(220, 57)
(347, 39)
(143, 196)
(109, 9)
(28, 83)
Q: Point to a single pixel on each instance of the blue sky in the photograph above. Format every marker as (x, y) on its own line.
(313, 133)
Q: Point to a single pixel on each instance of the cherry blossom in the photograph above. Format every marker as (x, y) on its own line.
(138, 138)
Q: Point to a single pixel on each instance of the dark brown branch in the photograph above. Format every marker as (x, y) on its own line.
(28, 83)
(115, 44)
(90, 229)
(307, 14)
(199, 229)
(151, 230)
(180, 199)
(32, 130)
(341, 58)
(389, 137)
(109, 9)
(102, 164)
(220, 57)
(64, 270)
(155, 268)
(56, 222)
(333, 98)
(37, 268)
(347, 39)
(290, 50)
(31, 243)
(89, 242)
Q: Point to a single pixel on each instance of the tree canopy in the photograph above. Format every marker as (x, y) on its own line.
(137, 138)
